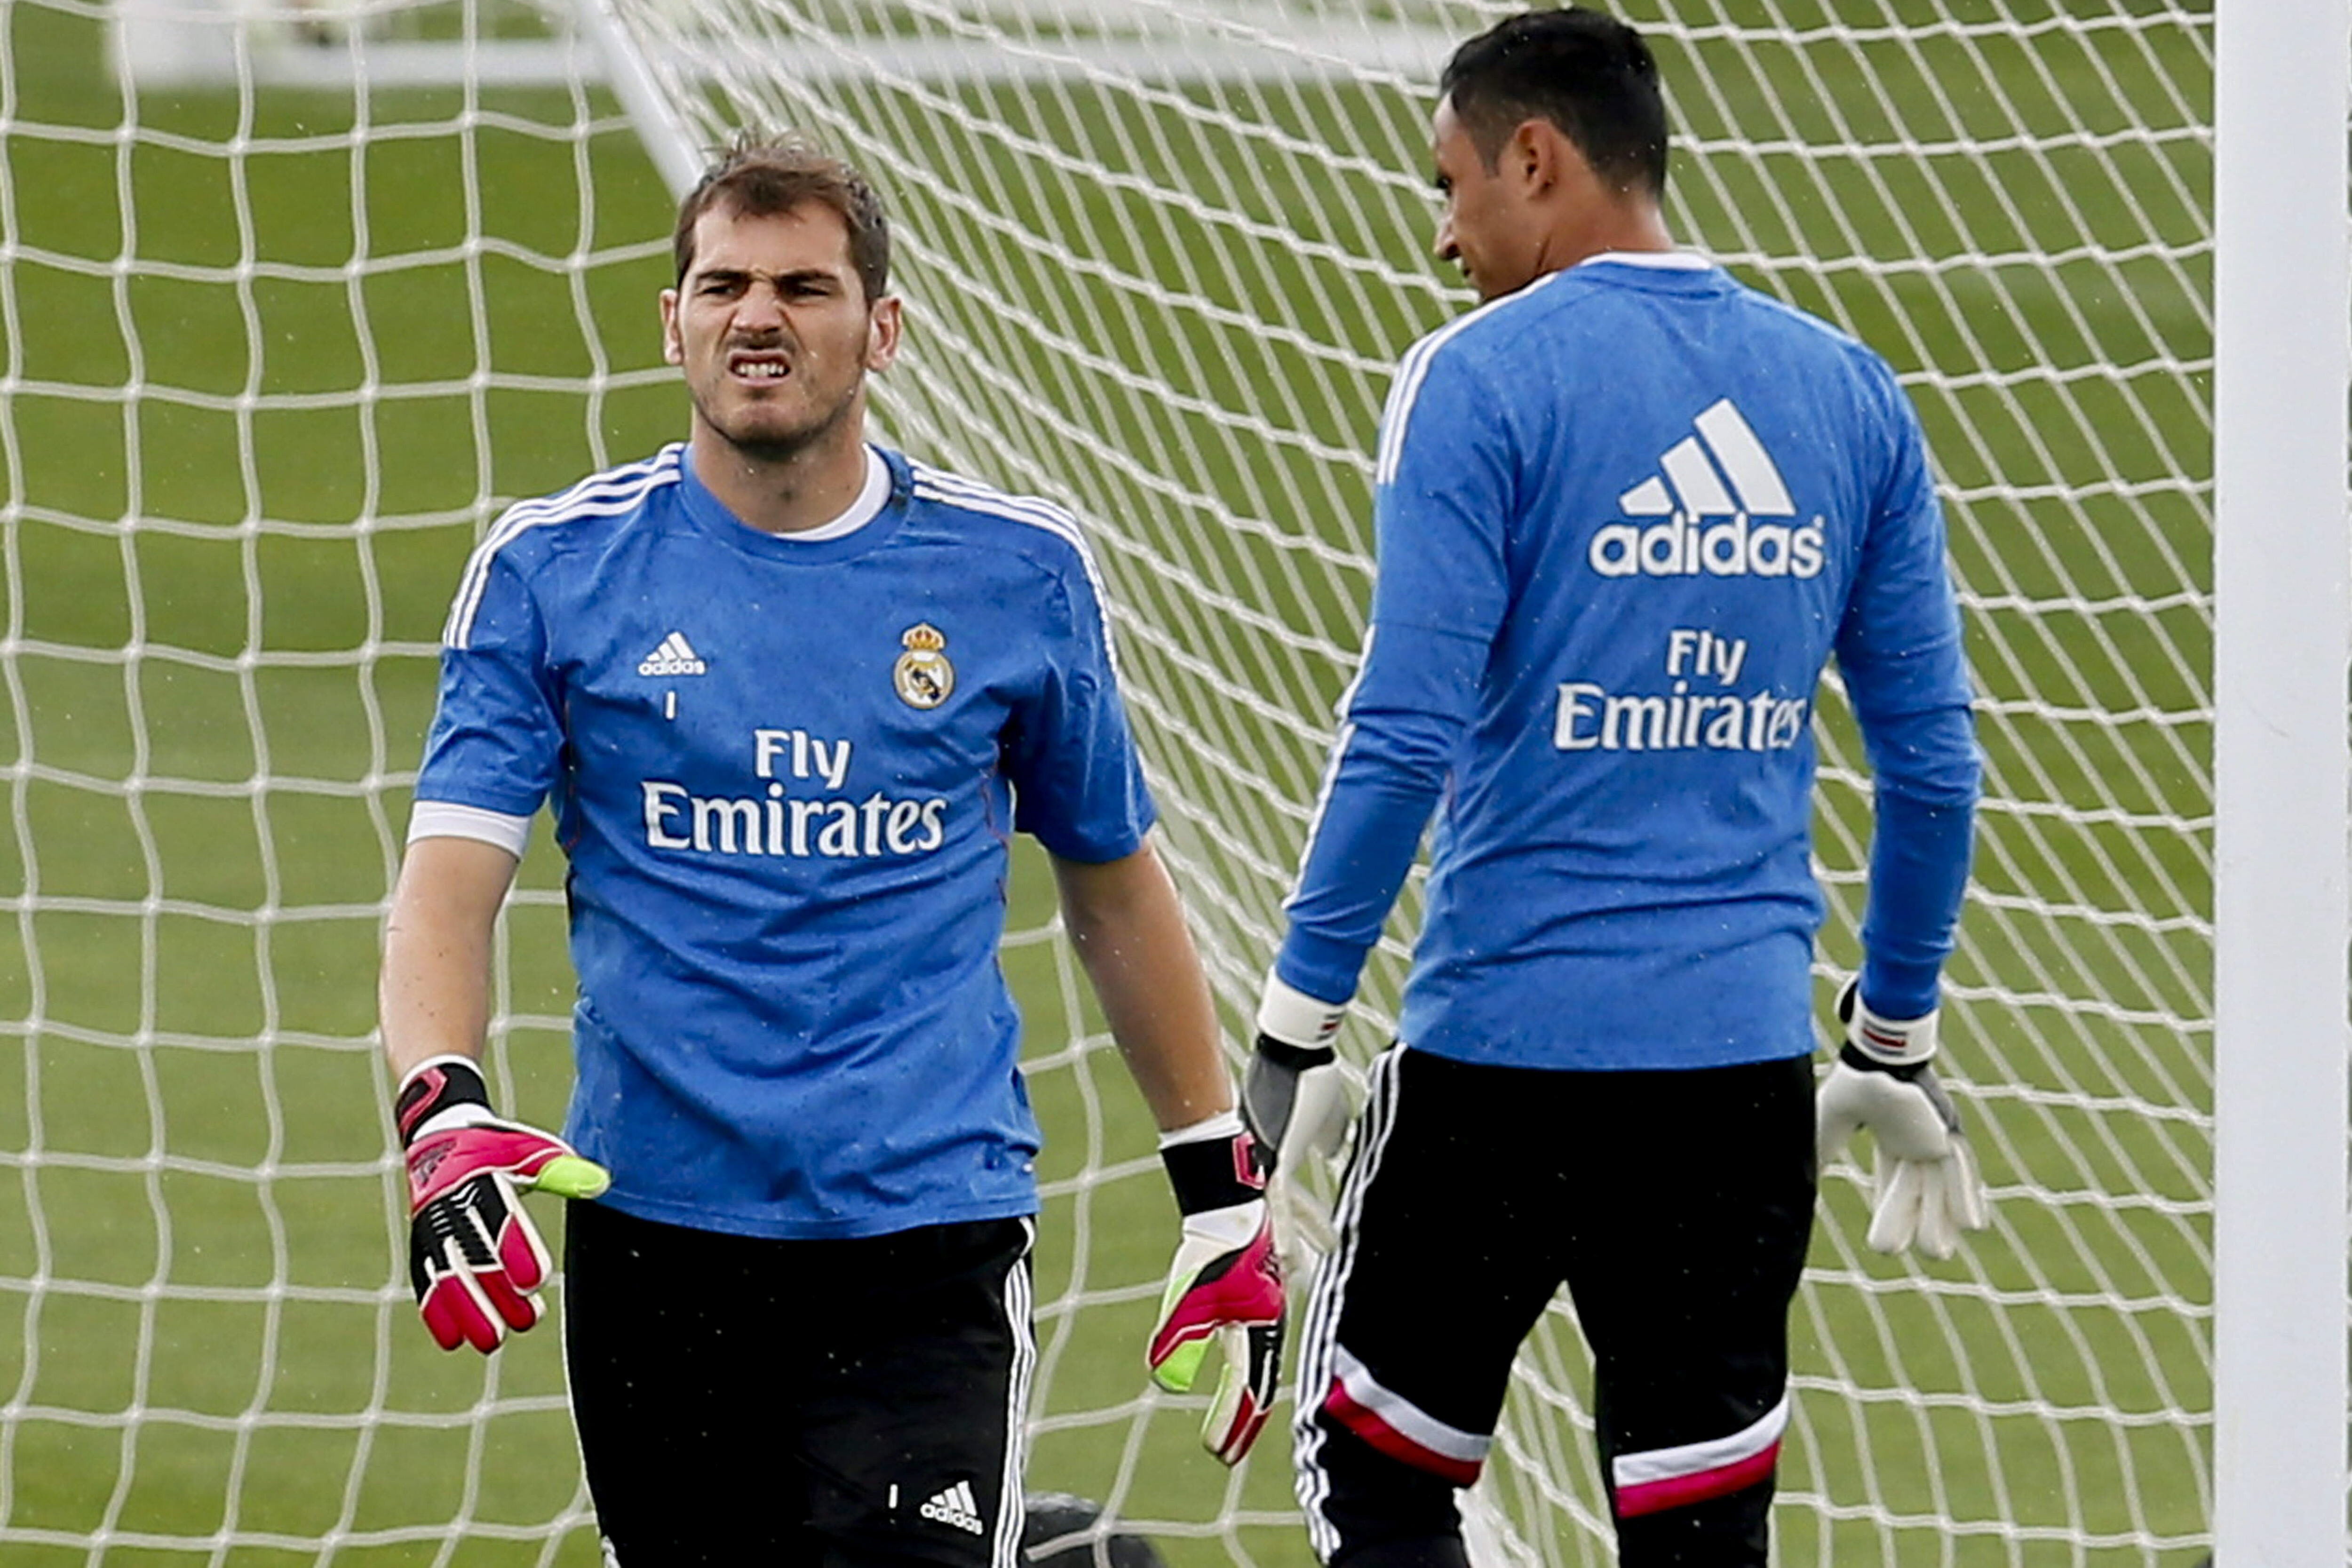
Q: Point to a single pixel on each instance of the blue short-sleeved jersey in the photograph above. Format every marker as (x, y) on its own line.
(1626, 516)
(786, 773)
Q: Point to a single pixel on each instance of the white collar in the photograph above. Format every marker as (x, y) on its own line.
(863, 510)
(1659, 261)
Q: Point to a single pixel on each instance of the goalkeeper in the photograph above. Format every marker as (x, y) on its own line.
(1626, 511)
(788, 695)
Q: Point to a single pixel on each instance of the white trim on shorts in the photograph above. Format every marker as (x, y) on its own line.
(1320, 1334)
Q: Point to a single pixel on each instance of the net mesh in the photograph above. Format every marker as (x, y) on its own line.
(295, 298)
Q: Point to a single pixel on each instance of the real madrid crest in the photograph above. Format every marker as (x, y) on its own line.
(923, 675)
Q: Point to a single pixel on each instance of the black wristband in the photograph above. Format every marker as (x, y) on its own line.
(1854, 1057)
(436, 1086)
(1215, 1172)
(1296, 1058)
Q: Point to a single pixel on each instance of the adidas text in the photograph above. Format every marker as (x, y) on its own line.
(956, 1506)
(1680, 547)
(674, 656)
(1721, 471)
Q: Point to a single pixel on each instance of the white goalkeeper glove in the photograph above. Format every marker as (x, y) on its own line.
(1926, 1189)
(1299, 1099)
(1225, 1285)
(474, 1258)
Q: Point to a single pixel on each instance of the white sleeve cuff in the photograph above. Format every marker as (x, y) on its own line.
(446, 819)
(1287, 1014)
(1896, 1042)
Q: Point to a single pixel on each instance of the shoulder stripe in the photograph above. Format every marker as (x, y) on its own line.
(1339, 745)
(599, 495)
(1414, 368)
(1402, 391)
(954, 489)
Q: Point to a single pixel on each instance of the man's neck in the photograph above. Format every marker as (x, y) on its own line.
(1635, 227)
(789, 494)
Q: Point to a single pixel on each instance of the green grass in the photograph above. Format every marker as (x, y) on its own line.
(216, 678)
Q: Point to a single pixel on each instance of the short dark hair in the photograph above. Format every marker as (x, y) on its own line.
(760, 174)
(1587, 73)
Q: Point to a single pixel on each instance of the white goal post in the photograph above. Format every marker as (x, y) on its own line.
(296, 295)
(2283, 600)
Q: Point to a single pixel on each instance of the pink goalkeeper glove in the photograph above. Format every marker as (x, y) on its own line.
(1224, 1286)
(474, 1258)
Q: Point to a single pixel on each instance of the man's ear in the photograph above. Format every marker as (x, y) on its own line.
(672, 345)
(883, 325)
(1538, 156)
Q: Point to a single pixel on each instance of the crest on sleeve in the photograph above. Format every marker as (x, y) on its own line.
(923, 675)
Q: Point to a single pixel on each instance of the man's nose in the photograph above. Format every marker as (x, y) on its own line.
(760, 307)
(1444, 248)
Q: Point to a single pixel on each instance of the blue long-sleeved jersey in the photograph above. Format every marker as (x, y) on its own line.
(1626, 516)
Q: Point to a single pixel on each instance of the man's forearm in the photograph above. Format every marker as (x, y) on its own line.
(1387, 773)
(1129, 928)
(433, 995)
(1918, 875)
(1929, 775)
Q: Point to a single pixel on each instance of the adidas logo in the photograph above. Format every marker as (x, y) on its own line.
(674, 656)
(957, 1507)
(1723, 471)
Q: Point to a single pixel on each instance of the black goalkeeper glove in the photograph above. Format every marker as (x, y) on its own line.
(1296, 1100)
(1294, 1095)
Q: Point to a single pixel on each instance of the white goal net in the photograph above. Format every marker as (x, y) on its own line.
(294, 298)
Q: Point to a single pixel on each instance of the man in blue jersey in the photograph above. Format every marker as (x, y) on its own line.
(1626, 511)
(788, 695)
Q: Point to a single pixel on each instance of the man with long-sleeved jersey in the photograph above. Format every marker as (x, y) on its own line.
(788, 696)
(1626, 511)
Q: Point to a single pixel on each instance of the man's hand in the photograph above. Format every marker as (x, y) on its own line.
(1927, 1189)
(474, 1256)
(1297, 1103)
(1225, 1286)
